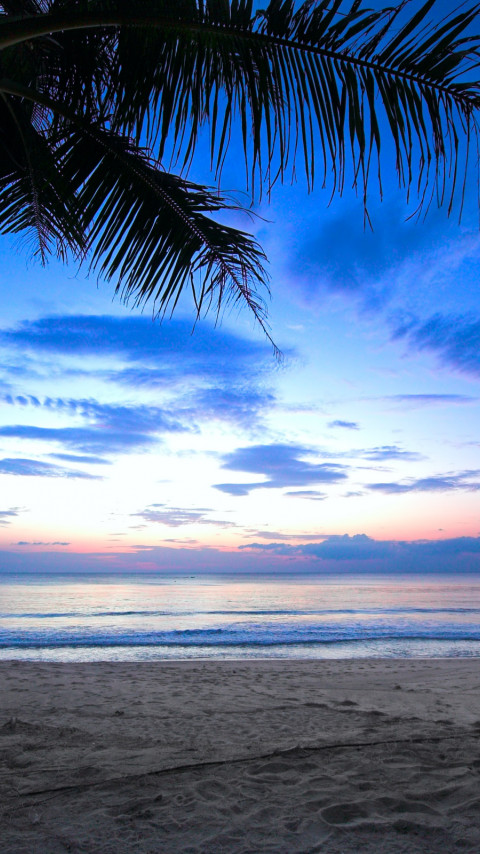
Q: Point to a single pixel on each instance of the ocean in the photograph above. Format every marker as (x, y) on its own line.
(145, 618)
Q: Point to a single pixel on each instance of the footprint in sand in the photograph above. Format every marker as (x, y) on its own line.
(348, 813)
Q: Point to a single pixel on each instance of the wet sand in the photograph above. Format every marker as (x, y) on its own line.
(240, 757)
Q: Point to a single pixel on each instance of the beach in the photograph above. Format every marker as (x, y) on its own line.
(235, 756)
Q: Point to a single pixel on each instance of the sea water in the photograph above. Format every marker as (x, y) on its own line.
(145, 618)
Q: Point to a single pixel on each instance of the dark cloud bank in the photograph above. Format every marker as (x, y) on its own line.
(336, 556)
(363, 553)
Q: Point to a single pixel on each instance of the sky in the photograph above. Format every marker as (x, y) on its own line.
(130, 445)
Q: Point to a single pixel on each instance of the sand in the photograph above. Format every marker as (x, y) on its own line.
(234, 757)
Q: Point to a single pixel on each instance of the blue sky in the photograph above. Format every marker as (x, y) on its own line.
(126, 444)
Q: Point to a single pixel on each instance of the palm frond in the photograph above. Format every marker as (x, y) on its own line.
(323, 77)
(35, 197)
(102, 91)
(152, 232)
(147, 230)
(307, 80)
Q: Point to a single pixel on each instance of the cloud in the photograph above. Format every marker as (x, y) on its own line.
(372, 259)
(455, 339)
(390, 452)
(276, 535)
(81, 438)
(36, 468)
(282, 465)
(361, 548)
(39, 543)
(176, 517)
(81, 458)
(322, 257)
(239, 489)
(140, 418)
(169, 348)
(336, 547)
(435, 483)
(334, 556)
(6, 516)
(225, 373)
(376, 266)
(309, 494)
(22, 400)
(417, 400)
(112, 428)
(242, 405)
(347, 425)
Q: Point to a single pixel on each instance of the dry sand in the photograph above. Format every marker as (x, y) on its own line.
(221, 757)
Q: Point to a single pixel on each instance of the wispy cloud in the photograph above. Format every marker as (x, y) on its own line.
(112, 428)
(176, 517)
(277, 535)
(375, 454)
(455, 339)
(375, 267)
(36, 468)
(421, 400)
(6, 516)
(346, 425)
(212, 374)
(169, 350)
(466, 480)
(81, 438)
(242, 405)
(309, 494)
(39, 543)
(389, 452)
(81, 458)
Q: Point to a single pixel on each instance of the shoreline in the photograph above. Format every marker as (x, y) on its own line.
(4, 662)
(216, 659)
(235, 756)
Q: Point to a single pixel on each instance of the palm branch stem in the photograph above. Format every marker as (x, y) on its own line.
(24, 29)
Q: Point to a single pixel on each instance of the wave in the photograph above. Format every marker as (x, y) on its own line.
(224, 637)
(43, 615)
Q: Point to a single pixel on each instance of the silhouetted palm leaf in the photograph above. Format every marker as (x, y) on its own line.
(151, 231)
(92, 86)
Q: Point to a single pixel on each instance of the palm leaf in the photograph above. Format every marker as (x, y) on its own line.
(110, 90)
(147, 230)
(35, 196)
(152, 232)
(280, 70)
(306, 79)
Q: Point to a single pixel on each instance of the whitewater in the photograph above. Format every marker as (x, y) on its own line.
(125, 618)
